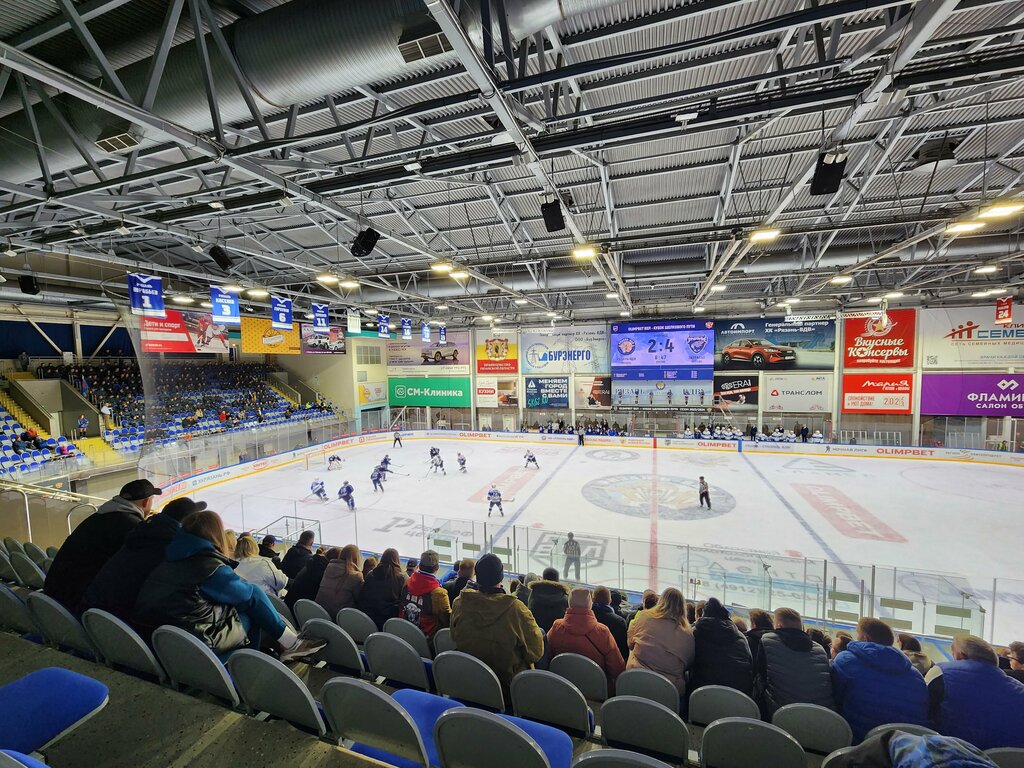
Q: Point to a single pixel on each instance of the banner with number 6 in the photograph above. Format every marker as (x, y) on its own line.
(280, 313)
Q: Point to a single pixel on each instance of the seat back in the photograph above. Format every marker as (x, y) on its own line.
(267, 685)
(357, 711)
(467, 679)
(739, 742)
(37, 555)
(443, 641)
(912, 728)
(283, 610)
(358, 625)
(51, 552)
(582, 672)
(308, 609)
(547, 698)
(14, 614)
(29, 574)
(836, 756)
(7, 572)
(190, 662)
(119, 645)
(13, 545)
(647, 684)
(818, 729)
(641, 725)
(617, 758)
(58, 626)
(412, 634)
(1006, 757)
(341, 651)
(391, 657)
(713, 702)
(463, 735)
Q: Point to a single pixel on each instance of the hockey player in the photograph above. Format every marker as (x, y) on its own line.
(462, 463)
(386, 462)
(530, 459)
(434, 452)
(636, 396)
(494, 500)
(669, 396)
(334, 462)
(203, 330)
(438, 463)
(376, 478)
(382, 468)
(345, 494)
(317, 487)
(650, 397)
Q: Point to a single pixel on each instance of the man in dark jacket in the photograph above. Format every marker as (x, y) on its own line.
(790, 667)
(296, 557)
(722, 656)
(267, 549)
(760, 623)
(463, 579)
(605, 614)
(95, 541)
(306, 583)
(116, 587)
(549, 599)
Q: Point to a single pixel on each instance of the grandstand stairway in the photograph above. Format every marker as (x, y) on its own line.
(99, 451)
(8, 404)
(283, 393)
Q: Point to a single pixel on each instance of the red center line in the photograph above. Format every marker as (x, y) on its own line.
(652, 555)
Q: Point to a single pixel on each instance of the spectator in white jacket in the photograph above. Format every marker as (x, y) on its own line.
(257, 570)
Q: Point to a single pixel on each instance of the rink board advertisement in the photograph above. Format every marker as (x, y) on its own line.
(547, 392)
(878, 393)
(969, 337)
(736, 394)
(497, 352)
(692, 394)
(373, 393)
(315, 343)
(592, 392)
(662, 349)
(880, 339)
(796, 342)
(576, 349)
(797, 393)
(259, 337)
(447, 392)
(492, 392)
(183, 332)
(416, 358)
(972, 394)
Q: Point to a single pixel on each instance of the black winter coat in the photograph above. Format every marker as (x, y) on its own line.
(294, 561)
(381, 595)
(307, 583)
(606, 615)
(271, 554)
(721, 656)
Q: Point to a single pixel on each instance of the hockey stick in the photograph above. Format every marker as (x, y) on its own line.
(403, 474)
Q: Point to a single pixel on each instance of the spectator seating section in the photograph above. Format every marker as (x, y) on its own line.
(545, 697)
(29, 574)
(120, 646)
(358, 625)
(462, 735)
(59, 627)
(267, 685)
(341, 653)
(582, 672)
(190, 663)
(739, 742)
(305, 610)
(468, 679)
(639, 725)
(30, 459)
(43, 706)
(648, 684)
(284, 611)
(443, 641)
(392, 658)
(712, 702)
(819, 730)
(14, 613)
(412, 634)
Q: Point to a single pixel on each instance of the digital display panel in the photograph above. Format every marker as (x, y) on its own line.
(662, 349)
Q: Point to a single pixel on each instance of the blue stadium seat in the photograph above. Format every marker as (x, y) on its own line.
(42, 706)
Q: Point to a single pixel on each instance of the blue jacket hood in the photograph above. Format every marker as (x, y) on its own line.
(884, 658)
(184, 545)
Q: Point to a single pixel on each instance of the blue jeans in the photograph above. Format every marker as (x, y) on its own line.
(258, 614)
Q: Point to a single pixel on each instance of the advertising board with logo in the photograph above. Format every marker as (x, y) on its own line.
(497, 352)
(797, 393)
(547, 392)
(687, 394)
(969, 337)
(972, 394)
(415, 357)
(373, 393)
(492, 392)
(183, 332)
(736, 394)
(259, 337)
(796, 342)
(447, 392)
(878, 393)
(314, 343)
(592, 392)
(880, 339)
(576, 349)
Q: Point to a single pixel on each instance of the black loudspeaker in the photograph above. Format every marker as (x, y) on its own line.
(220, 256)
(552, 213)
(828, 173)
(28, 284)
(365, 242)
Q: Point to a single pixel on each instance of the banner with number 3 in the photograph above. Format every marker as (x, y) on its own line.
(225, 307)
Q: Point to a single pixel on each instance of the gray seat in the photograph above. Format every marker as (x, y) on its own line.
(190, 663)
(7, 572)
(1006, 757)
(58, 626)
(713, 702)
(463, 735)
(412, 634)
(443, 641)
(13, 545)
(305, 610)
(916, 730)
(739, 742)
(46, 565)
(341, 652)
(51, 552)
(37, 555)
(30, 575)
(548, 698)
(392, 658)
(3, 548)
(647, 684)
(14, 614)
(358, 625)
(359, 713)
(283, 610)
(836, 756)
(267, 685)
(819, 730)
(617, 758)
(641, 725)
(582, 672)
(468, 679)
(119, 645)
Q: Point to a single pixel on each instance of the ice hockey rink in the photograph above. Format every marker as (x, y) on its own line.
(635, 509)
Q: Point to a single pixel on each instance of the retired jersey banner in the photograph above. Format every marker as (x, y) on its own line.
(406, 329)
(353, 322)
(259, 337)
(878, 393)
(1004, 310)
(225, 306)
(425, 331)
(383, 331)
(442, 335)
(184, 333)
(497, 352)
(321, 318)
(146, 295)
(797, 393)
(410, 358)
(281, 313)
(575, 349)
(880, 339)
(969, 337)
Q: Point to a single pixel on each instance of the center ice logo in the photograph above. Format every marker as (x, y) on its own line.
(671, 498)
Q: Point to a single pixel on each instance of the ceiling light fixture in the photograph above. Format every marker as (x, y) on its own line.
(764, 235)
(963, 227)
(624, 313)
(348, 283)
(698, 309)
(77, 231)
(552, 314)
(611, 295)
(520, 302)
(717, 288)
(685, 117)
(875, 300)
(206, 305)
(584, 252)
(216, 205)
(1000, 210)
(10, 250)
(232, 288)
(487, 318)
(986, 269)
(441, 307)
(257, 293)
(413, 166)
(996, 291)
(327, 279)
(979, 294)
(841, 280)
(197, 247)
(182, 299)
(121, 229)
(442, 266)
(308, 315)
(894, 295)
(791, 301)
(458, 274)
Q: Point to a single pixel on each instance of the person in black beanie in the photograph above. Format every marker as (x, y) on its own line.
(722, 654)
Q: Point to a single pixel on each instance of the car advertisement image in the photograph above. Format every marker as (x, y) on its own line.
(412, 357)
(330, 343)
(797, 342)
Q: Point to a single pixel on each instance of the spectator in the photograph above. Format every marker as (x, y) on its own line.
(255, 569)
(821, 638)
(660, 639)
(307, 583)
(760, 623)
(23, 360)
(523, 591)
(972, 699)
(1016, 670)
(230, 541)
(580, 632)
(571, 550)
(549, 599)
(381, 596)
(196, 589)
(842, 639)
(295, 558)
(648, 600)
(411, 566)
(342, 581)
(461, 581)
(617, 603)
(911, 646)
(605, 614)
(95, 541)
(495, 627)
(424, 600)
(368, 565)
(875, 683)
(116, 587)
(81, 426)
(18, 446)
(268, 549)
(722, 655)
(790, 668)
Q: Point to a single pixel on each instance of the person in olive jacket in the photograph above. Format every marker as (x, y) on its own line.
(722, 654)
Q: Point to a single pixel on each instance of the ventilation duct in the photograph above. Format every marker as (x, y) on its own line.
(935, 155)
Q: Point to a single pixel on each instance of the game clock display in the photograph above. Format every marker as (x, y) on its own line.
(668, 349)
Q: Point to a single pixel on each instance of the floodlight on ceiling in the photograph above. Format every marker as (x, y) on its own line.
(206, 305)
(217, 205)
(963, 227)
(552, 314)
(986, 269)
(327, 278)
(257, 293)
(583, 252)
(413, 166)
(1001, 210)
(232, 288)
(610, 295)
(764, 235)
(458, 274)
(684, 117)
(698, 310)
(441, 266)
(182, 299)
(308, 315)
(520, 302)
(717, 288)
(10, 250)
(979, 294)
(197, 247)
(487, 318)
(624, 313)
(441, 307)
(347, 283)
(894, 295)
(875, 300)
(121, 229)
(997, 291)
(77, 231)
(841, 280)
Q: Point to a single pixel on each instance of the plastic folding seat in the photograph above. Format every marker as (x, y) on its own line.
(467, 679)
(190, 663)
(358, 625)
(917, 730)
(545, 697)
(582, 672)
(392, 658)
(341, 653)
(617, 758)
(819, 730)
(738, 742)
(30, 575)
(1006, 757)
(119, 645)
(62, 439)
(463, 735)
(14, 613)
(641, 725)
(412, 634)
(58, 626)
(35, 553)
(267, 685)
(305, 610)
(713, 702)
(443, 641)
(43, 706)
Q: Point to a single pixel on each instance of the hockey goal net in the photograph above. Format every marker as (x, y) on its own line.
(316, 461)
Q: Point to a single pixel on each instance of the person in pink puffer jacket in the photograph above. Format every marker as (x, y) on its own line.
(660, 639)
(579, 632)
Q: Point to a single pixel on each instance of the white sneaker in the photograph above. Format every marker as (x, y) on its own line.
(304, 647)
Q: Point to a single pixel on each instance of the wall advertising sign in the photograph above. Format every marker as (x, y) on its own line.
(225, 306)
(492, 392)
(968, 337)
(447, 392)
(442, 358)
(547, 392)
(592, 392)
(259, 337)
(736, 394)
(497, 352)
(797, 342)
(878, 393)
(972, 394)
(146, 295)
(691, 394)
(373, 393)
(183, 332)
(880, 340)
(316, 343)
(797, 393)
(576, 349)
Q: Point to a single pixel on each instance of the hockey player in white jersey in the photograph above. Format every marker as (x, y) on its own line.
(317, 487)
(530, 459)
(494, 500)
(438, 463)
(462, 462)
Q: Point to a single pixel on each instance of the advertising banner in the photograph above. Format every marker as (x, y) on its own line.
(373, 393)
(797, 342)
(146, 295)
(662, 349)
(492, 392)
(798, 393)
(547, 392)
(316, 343)
(592, 392)
(880, 339)
(968, 337)
(321, 318)
(281, 313)
(576, 349)
(448, 392)
(692, 394)
(225, 306)
(972, 394)
(259, 337)
(411, 358)
(736, 394)
(497, 352)
(878, 393)
(183, 332)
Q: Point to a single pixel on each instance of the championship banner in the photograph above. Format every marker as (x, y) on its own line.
(497, 352)
(353, 322)
(183, 333)
(406, 329)
(316, 343)
(576, 349)
(880, 339)
(411, 358)
(547, 392)
(972, 394)
(878, 393)
(225, 306)
(797, 393)
(968, 337)
(425, 331)
(146, 295)
(1004, 310)
(736, 394)
(591, 392)
(281, 313)
(795, 342)
(383, 331)
(321, 318)
(260, 337)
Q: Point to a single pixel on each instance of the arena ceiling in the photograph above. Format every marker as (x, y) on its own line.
(680, 136)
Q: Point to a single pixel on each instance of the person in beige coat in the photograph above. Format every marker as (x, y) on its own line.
(342, 581)
(660, 639)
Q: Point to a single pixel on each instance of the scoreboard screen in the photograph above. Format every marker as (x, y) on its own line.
(663, 349)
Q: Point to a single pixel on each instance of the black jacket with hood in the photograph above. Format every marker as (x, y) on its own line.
(721, 656)
(548, 601)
